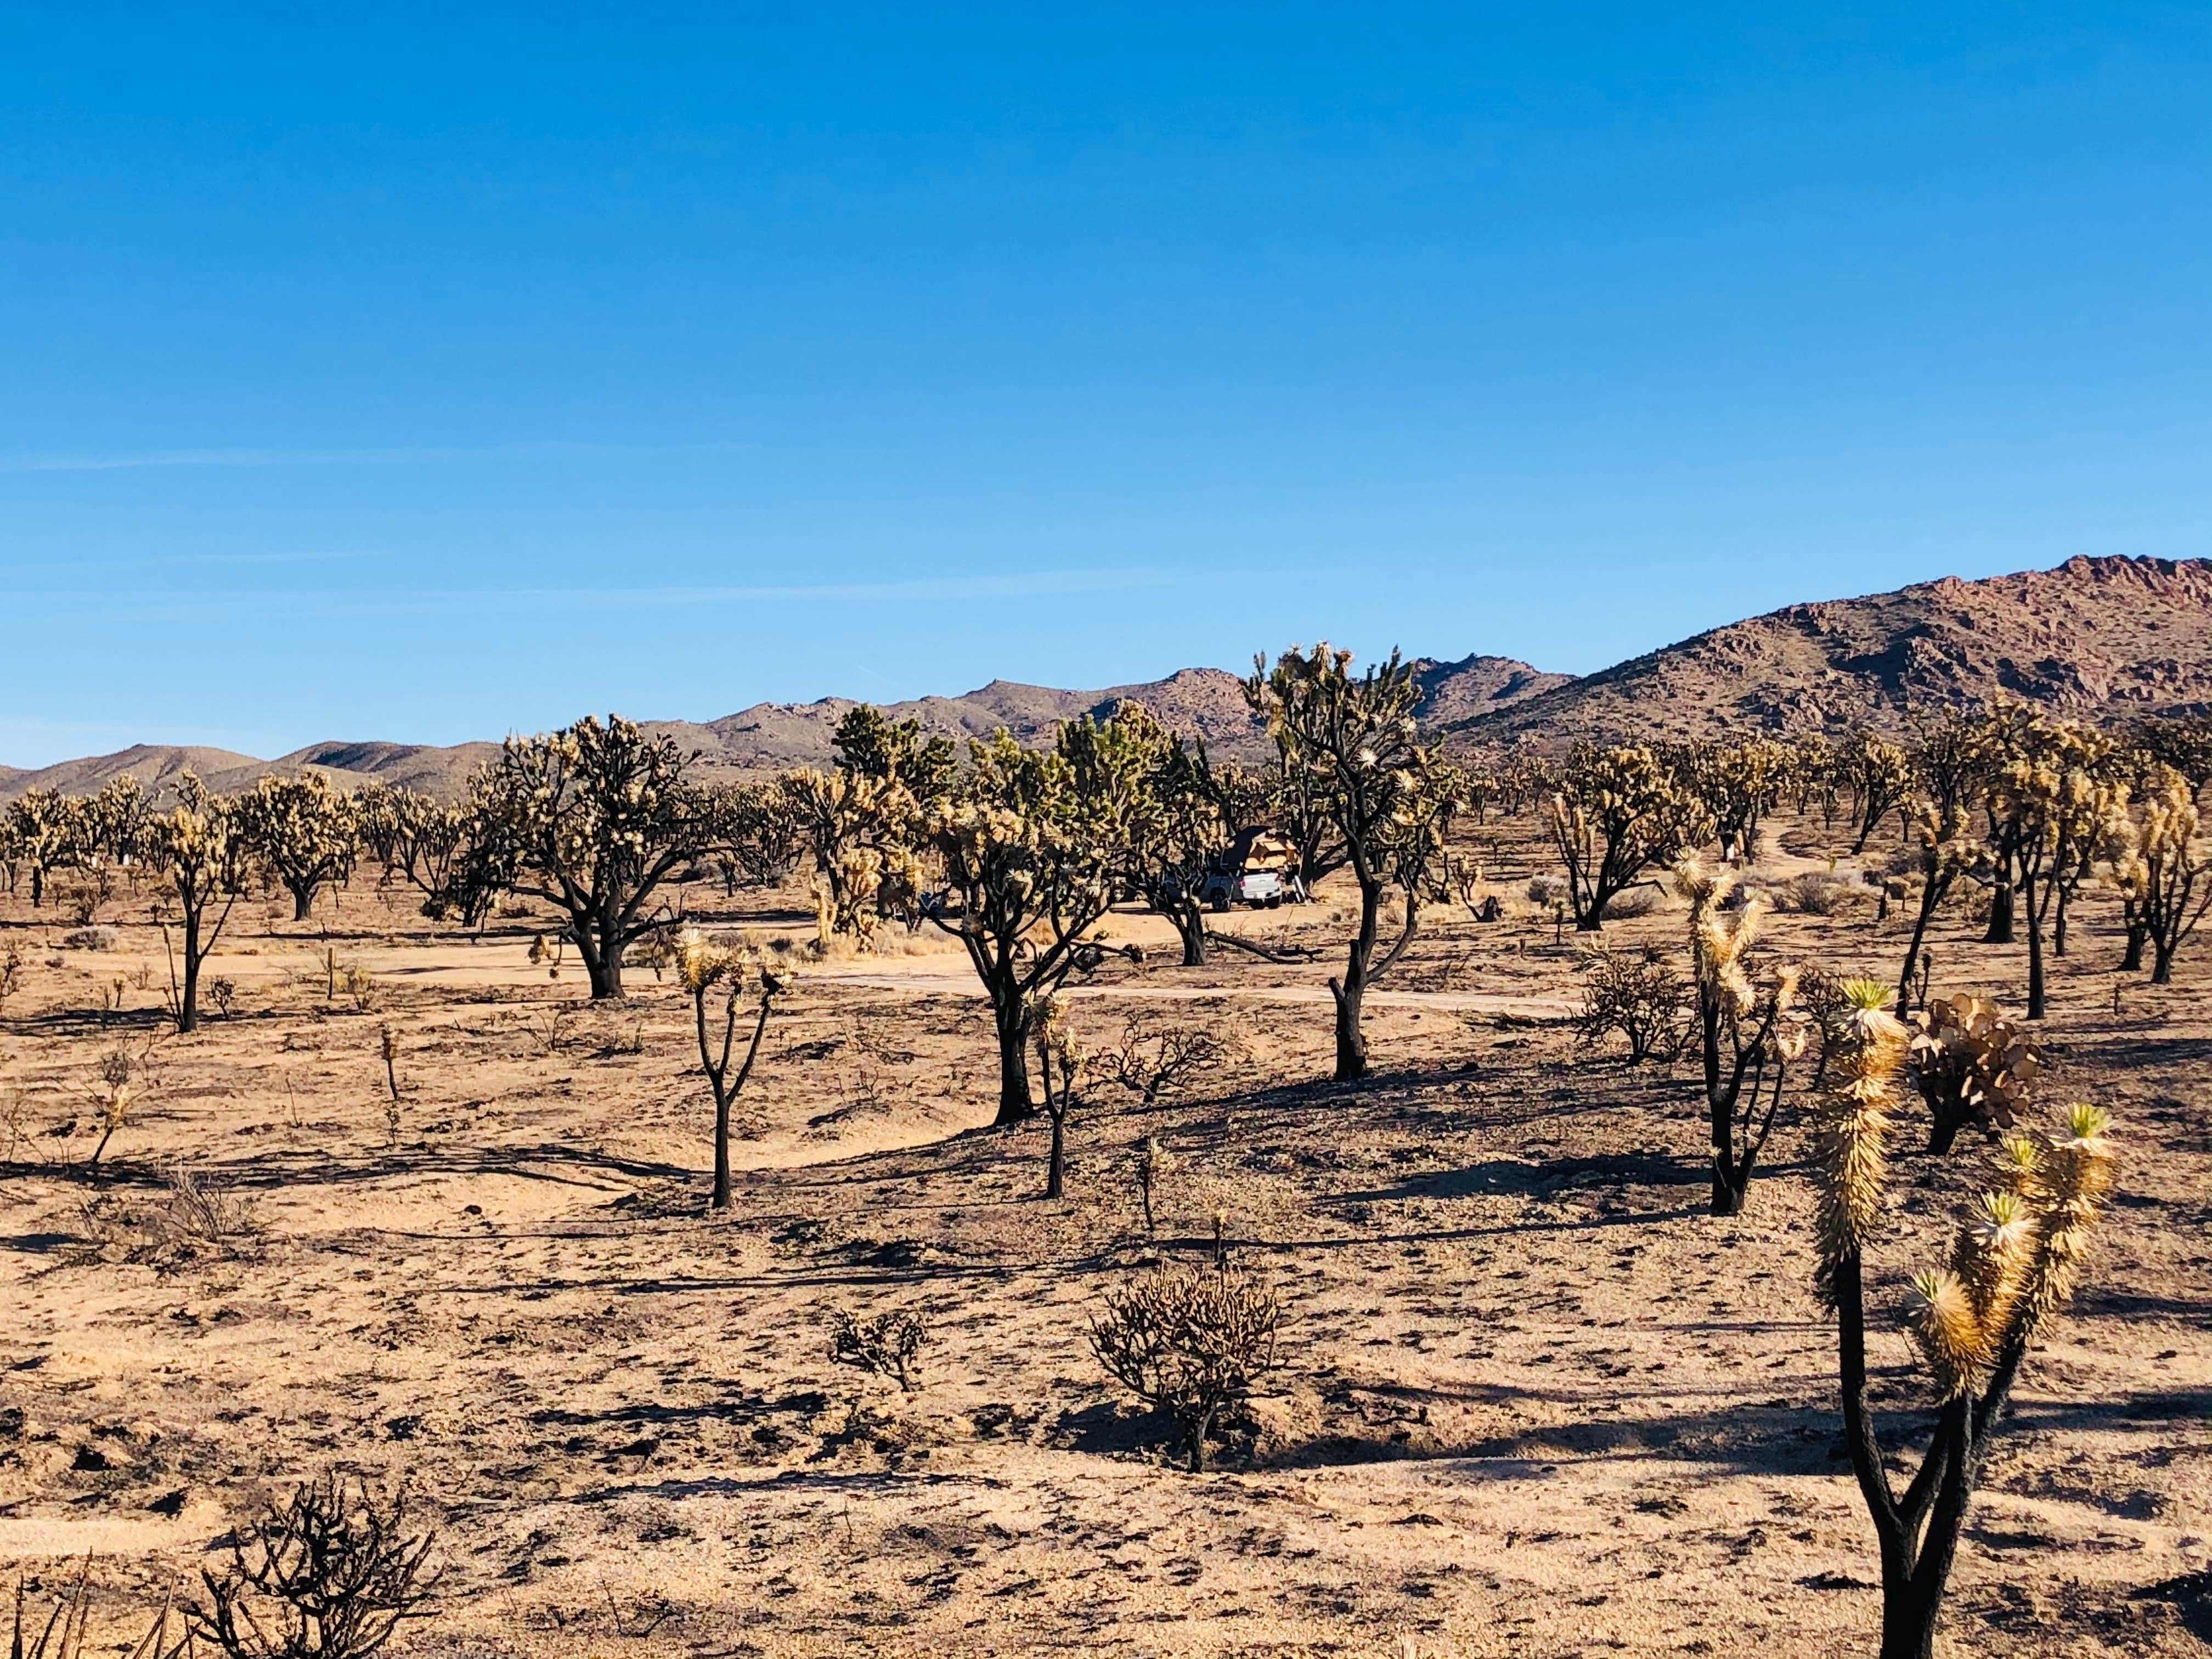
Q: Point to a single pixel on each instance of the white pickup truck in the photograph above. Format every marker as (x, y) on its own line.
(1262, 889)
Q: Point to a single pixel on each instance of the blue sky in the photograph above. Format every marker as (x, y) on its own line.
(431, 374)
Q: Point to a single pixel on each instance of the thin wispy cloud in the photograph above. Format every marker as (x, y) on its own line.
(402, 455)
(583, 601)
(181, 561)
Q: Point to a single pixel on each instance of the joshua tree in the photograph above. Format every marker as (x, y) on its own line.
(113, 820)
(2056, 808)
(1174, 812)
(302, 831)
(2012, 1265)
(2008, 732)
(593, 818)
(704, 967)
(1738, 784)
(1813, 774)
(377, 811)
(1945, 852)
(2184, 743)
(460, 856)
(1350, 744)
(1521, 779)
(1028, 859)
(1060, 1064)
(44, 827)
(2159, 869)
(870, 745)
(1880, 775)
(1972, 1065)
(1618, 812)
(191, 845)
(759, 833)
(1951, 760)
(1743, 1029)
(860, 827)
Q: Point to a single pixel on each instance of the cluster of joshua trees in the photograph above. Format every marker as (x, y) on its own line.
(1019, 852)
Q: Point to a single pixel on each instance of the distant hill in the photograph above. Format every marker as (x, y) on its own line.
(2104, 638)
(2099, 638)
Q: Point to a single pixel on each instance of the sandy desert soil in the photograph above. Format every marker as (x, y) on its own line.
(1534, 1400)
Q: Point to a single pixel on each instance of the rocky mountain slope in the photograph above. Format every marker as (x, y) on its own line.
(1200, 702)
(2104, 639)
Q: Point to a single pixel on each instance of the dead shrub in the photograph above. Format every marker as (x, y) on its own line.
(63, 1633)
(207, 1218)
(888, 1346)
(1190, 1342)
(1158, 1058)
(1635, 901)
(1817, 893)
(188, 1221)
(1637, 994)
(327, 1573)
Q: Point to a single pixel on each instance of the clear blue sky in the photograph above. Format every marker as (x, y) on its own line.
(428, 373)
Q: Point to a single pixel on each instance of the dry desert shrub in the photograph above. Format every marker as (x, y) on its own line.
(329, 1572)
(1159, 1059)
(1636, 902)
(888, 1346)
(189, 1220)
(1816, 893)
(1190, 1342)
(1637, 994)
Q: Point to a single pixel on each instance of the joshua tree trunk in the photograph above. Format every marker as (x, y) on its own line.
(2000, 914)
(2058, 924)
(188, 997)
(1010, 1015)
(1919, 1531)
(599, 942)
(38, 886)
(1930, 896)
(1350, 991)
(2161, 971)
(2132, 957)
(303, 901)
(2035, 909)
(1189, 921)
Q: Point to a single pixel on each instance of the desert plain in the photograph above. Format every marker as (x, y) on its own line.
(1532, 1399)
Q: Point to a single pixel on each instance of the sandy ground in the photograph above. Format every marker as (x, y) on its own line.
(1533, 1400)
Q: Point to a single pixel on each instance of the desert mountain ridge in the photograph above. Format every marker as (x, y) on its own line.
(2105, 638)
